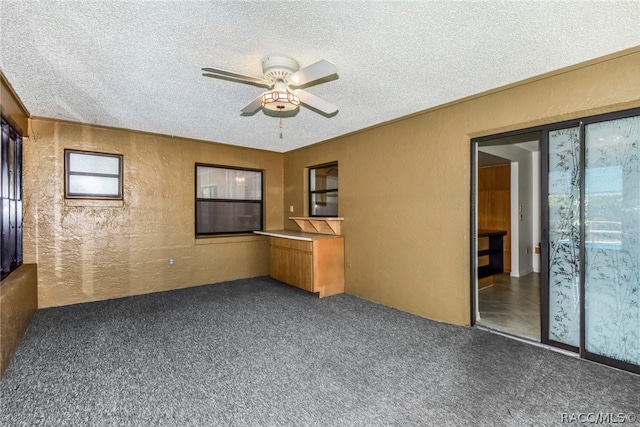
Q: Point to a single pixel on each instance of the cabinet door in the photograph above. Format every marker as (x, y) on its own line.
(291, 262)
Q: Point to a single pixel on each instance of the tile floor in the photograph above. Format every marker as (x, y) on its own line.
(512, 305)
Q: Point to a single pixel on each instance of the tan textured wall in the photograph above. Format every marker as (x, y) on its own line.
(18, 291)
(18, 303)
(405, 186)
(94, 250)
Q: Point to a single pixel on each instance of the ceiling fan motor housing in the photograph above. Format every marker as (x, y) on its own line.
(278, 68)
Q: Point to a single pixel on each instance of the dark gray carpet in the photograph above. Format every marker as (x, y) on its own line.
(259, 353)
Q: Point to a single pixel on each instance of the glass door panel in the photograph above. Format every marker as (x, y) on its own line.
(564, 236)
(612, 239)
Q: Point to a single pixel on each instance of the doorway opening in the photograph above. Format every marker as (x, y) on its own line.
(507, 217)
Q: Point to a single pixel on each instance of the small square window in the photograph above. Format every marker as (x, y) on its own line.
(93, 175)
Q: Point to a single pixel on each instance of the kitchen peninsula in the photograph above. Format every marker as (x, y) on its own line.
(312, 259)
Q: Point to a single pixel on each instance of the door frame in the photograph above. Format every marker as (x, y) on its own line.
(474, 212)
(544, 230)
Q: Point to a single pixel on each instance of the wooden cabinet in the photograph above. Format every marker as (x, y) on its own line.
(311, 259)
(311, 262)
(315, 266)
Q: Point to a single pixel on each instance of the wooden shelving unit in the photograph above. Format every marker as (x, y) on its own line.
(494, 252)
(324, 225)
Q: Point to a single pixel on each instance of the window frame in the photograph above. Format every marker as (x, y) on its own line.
(325, 191)
(260, 202)
(68, 173)
(11, 256)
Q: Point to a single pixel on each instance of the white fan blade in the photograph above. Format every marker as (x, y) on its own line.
(315, 102)
(216, 72)
(312, 73)
(253, 105)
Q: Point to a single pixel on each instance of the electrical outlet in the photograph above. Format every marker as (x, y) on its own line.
(290, 208)
(171, 261)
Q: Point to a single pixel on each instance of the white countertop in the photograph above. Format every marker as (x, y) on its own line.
(296, 235)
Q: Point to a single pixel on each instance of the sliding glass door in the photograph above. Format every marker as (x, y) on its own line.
(591, 227)
(564, 235)
(611, 239)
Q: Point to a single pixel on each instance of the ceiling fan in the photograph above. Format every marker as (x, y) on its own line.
(283, 79)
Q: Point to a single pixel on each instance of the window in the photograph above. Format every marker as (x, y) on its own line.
(323, 190)
(11, 189)
(228, 200)
(93, 175)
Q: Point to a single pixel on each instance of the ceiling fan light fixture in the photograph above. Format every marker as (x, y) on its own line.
(280, 101)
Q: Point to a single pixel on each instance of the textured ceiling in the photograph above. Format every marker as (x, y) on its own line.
(137, 64)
